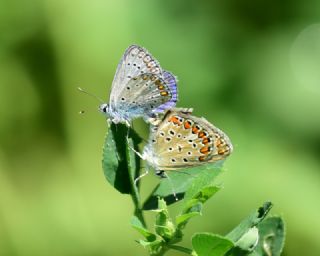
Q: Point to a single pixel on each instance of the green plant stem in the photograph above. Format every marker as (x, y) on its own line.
(135, 192)
(180, 249)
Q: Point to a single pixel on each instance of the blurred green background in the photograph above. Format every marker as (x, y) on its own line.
(250, 67)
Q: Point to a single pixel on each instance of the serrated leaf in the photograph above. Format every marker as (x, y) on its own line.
(206, 244)
(180, 182)
(118, 166)
(252, 220)
(137, 225)
(272, 236)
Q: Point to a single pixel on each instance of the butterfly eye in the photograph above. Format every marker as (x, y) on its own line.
(104, 108)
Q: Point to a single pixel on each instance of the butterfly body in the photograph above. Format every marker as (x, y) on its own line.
(140, 88)
(181, 140)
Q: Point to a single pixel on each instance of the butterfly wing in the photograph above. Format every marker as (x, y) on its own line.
(135, 61)
(147, 94)
(182, 140)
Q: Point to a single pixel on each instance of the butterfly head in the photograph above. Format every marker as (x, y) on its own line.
(105, 108)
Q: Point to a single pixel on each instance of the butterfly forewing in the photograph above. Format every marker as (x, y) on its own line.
(135, 61)
(147, 94)
(182, 140)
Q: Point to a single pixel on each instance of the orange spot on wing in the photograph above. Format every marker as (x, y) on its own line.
(174, 120)
(221, 151)
(201, 134)
(164, 93)
(205, 140)
(205, 150)
(195, 129)
(187, 124)
(201, 158)
(158, 82)
(218, 142)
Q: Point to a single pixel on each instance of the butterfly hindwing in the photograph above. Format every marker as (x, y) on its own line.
(182, 140)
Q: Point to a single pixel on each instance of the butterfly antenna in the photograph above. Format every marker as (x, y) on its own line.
(90, 94)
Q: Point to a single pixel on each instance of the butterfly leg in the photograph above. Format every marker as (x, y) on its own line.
(141, 176)
(135, 151)
(127, 123)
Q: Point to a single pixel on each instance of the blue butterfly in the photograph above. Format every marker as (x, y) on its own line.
(140, 88)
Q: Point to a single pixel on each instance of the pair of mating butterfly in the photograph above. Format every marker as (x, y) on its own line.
(177, 139)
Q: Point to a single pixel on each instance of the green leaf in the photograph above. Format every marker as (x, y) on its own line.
(118, 167)
(252, 220)
(164, 225)
(249, 240)
(201, 194)
(193, 206)
(206, 244)
(272, 236)
(194, 209)
(136, 224)
(181, 181)
(154, 246)
(202, 186)
(184, 218)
